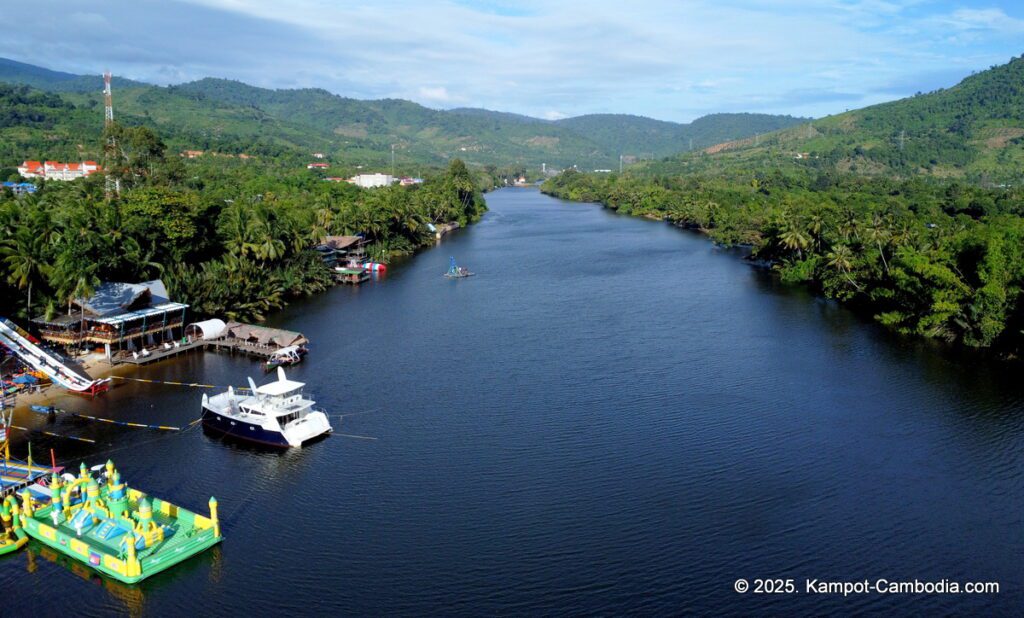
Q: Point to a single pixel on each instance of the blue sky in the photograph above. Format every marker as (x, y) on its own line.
(673, 60)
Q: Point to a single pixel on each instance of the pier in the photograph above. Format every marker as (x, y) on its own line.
(233, 337)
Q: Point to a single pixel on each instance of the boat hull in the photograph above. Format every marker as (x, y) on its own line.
(240, 430)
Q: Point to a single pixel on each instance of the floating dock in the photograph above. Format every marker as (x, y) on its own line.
(116, 530)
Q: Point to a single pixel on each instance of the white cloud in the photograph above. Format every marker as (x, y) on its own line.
(553, 115)
(435, 94)
(985, 19)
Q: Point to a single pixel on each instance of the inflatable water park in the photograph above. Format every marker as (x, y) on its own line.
(96, 519)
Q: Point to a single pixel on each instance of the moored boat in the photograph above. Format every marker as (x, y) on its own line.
(291, 355)
(276, 414)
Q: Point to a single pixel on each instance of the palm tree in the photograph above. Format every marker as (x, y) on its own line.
(22, 255)
(814, 227)
(878, 233)
(85, 287)
(795, 239)
(841, 259)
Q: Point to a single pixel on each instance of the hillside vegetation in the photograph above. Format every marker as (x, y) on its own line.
(928, 238)
(973, 132)
(232, 117)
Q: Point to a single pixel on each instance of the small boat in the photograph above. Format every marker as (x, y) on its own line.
(455, 271)
(291, 355)
(125, 534)
(276, 414)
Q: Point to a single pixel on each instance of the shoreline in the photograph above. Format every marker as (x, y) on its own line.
(991, 353)
(96, 366)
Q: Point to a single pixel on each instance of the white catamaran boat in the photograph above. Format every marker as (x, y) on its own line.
(277, 414)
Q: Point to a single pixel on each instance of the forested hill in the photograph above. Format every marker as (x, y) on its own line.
(12, 71)
(973, 131)
(657, 138)
(230, 116)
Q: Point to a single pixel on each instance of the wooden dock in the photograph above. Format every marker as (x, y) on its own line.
(258, 350)
(256, 341)
(159, 354)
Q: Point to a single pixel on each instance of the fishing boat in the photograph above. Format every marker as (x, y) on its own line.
(291, 355)
(277, 414)
(455, 271)
(121, 532)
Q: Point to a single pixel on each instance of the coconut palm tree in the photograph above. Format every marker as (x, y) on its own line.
(841, 259)
(23, 257)
(794, 238)
(879, 234)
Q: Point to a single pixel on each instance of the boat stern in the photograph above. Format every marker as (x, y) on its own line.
(313, 425)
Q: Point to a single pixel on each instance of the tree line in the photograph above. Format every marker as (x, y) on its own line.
(942, 260)
(233, 238)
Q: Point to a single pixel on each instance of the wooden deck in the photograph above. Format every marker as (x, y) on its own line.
(158, 354)
(261, 351)
(243, 347)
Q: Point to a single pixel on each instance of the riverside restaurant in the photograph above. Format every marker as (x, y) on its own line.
(119, 317)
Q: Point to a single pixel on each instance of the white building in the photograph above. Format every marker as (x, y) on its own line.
(54, 170)
(369, 181)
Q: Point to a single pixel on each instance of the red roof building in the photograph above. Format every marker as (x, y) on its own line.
(55, 170)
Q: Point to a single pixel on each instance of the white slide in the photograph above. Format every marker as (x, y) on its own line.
(32, 355)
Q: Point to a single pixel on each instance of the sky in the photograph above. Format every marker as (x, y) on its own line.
(667, 59)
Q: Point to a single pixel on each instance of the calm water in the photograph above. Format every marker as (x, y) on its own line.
(613, 416)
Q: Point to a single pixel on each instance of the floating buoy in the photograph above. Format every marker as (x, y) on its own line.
(375, 267)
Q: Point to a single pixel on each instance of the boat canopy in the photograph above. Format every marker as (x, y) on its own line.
(207, 329)
(285, 352)
(276, 389)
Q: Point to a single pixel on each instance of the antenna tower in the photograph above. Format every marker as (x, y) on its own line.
(108, 101)
(113, 186)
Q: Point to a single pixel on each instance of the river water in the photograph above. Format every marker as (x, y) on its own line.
(613, 416)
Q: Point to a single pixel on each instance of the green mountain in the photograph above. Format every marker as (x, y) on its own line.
(232, 117)
(646, 137)
(973, 131)
(14, 72)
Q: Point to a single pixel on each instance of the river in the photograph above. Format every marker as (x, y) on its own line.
(613, 416)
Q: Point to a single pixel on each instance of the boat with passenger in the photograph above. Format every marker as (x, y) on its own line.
(455, 271)
(291, 355)
(276, 414)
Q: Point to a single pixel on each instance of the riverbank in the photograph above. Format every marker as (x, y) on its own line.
(906, 251)
(95, 366)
